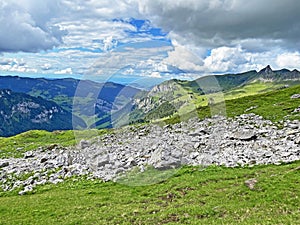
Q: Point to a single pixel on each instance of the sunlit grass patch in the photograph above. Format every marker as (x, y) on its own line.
(193, 195)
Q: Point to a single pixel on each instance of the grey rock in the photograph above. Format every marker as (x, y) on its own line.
(295, 96)
(102, 160)
(84, 144)
(194, 155)
(297, 141)
(168, 163)
(4, 164)
(176, 153)
(56, 181)
(28, 154)
(197, 145)
(245, 140)
(251, 183)
(131, 162)
(245, 135)
(27, 189)
(43, 160)
(297, 110)
(293, 126)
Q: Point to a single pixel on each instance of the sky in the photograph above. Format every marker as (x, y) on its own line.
(139, 40)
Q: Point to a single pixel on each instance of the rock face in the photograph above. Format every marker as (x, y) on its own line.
(245, 140)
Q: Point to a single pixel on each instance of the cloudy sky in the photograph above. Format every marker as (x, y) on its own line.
(135, 40)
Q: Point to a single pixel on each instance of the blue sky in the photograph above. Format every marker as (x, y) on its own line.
(136, 41)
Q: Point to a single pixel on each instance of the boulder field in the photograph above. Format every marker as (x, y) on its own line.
(246, 140)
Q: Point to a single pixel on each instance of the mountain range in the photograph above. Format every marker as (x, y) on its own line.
(181, 96)
(20, 112)
(63, 104)
(91, 101)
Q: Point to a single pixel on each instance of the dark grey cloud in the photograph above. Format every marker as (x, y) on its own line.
(27, 25)
(215, 23)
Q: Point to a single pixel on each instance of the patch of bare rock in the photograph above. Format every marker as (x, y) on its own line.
(243, 141)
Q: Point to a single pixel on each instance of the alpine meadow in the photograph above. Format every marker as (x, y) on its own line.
(149, 112)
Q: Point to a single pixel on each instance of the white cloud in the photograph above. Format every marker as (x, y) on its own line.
(129, 71)
(46, 66)
(237, 59)
(5, 61)
(161, 67)
(16, 65)
(288, 60)
(224, 59)
(64, 71)
(155, 75)
(104, 9)
(94, 33)
(128, 60)
(109, 43)
(26, 25)
(183, 59)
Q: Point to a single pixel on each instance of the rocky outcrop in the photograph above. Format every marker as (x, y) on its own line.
(266, 70)
(246, 140)
(295, 96)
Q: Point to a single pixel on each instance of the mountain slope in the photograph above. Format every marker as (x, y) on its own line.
(90, 100)
(184, 97)
(21, 112)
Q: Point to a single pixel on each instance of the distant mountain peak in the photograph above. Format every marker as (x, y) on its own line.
(267, 69)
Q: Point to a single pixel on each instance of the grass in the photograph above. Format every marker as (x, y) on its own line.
(16, 146)
(252, 89)
(215, 195)
(275, 106)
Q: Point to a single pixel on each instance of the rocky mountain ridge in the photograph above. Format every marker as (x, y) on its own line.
(270, 75)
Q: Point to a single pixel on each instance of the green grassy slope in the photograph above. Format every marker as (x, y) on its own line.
(274, 105)
(15, 146)
(185, 96)
(225, 82)
(215, 195)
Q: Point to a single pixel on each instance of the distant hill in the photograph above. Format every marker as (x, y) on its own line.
(175, 95)
(51, 88)
(84, 98)
(20, 112)
(229, 81)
